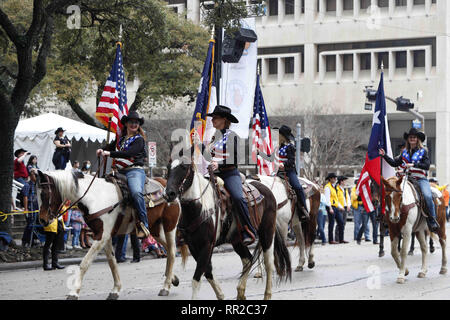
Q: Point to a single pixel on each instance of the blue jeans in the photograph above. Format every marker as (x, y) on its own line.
(76, 237)
(321, 217)
(337, 215)
(365, 226)
(293, 181)
(233, 184)
(136, 182)
(358, 220)
(426, 191)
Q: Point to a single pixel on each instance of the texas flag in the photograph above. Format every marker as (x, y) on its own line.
(374, 167)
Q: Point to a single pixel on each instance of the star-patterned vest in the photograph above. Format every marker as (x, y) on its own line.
(218, 149)
(124, 144)
(416, 158)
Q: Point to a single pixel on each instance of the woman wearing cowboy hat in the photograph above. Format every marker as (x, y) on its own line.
(129, 155)
(415, 158)
(227, 169)
(62, 151)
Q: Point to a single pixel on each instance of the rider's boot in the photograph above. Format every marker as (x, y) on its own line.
(142, 230)
(303, 213)
(433, 225)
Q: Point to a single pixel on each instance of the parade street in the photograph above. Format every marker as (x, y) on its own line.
(345, 271)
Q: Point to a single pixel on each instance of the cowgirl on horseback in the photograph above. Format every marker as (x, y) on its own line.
(415, 158)
(129, 157)
(227, 170)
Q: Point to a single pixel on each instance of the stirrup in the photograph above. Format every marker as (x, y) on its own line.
(248, 241)
(142, 231)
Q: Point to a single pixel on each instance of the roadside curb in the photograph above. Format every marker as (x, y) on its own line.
(10, 266)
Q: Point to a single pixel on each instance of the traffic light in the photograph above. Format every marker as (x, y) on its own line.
(233, 45)
(404, 104)
(371, 95)
(305, 145)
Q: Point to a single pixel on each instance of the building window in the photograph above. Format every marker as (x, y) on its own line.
(401, 3)
(348, 4)
(331, 5)
(273, 66)
(419, 59)
(348, 62)
(383, 3)
(289, 65)
(289, 7)
(400, 59)
(364, 4)
(273, 7)
(365, 61)
(258, 66)
(419, 2)
(331, 63)
(383, 57)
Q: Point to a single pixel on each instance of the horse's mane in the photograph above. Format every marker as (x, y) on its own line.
(66, 182)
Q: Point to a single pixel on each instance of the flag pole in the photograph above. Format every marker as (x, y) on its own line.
(381, 158)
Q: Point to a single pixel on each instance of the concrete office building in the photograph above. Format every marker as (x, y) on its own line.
(324, 53)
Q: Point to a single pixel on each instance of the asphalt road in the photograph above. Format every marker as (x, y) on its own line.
(345, 271)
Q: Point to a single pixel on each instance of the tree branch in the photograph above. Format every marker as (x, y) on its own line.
(83, 115)
(9, 28)
(41, 63)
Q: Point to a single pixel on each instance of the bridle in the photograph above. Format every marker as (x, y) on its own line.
(182, 187)
(50, 184)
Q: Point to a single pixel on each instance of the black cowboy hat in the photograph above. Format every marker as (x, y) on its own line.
(414, 132)
(224, 112)
(341, 178)
(59, 130)
(132, 115)
(18, 151)
(331, 176)
(286, 132)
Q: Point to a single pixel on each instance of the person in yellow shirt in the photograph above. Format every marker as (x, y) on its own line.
(343, 207)
(332, 207)
(54, 238)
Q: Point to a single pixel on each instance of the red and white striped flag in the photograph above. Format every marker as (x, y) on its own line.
(262, 137)
(114, 97)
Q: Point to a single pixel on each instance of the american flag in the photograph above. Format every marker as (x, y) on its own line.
(219, 149)
(114, 97)
(262, 137)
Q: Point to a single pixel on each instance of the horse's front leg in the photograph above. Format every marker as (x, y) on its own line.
(444, 255)
(214, 284)
(423, 247)
(203, 259)
(403, 254)
(382, 233)
(311, 262)
(246, 258)
(114, 294)
(169, 244)
(270, 267)
(296, 226)
(84, 266)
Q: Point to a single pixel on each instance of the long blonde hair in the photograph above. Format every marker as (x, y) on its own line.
(419, 145)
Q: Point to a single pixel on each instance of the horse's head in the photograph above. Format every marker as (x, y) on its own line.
(394, 197)
(179, 177)
(49, 198)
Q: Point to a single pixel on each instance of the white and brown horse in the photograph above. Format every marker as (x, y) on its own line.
(305, 232)
(56, 187)
(404, 218)
(204, 224)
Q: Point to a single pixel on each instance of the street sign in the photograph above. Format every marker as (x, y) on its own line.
(417, 124)
(152, 154)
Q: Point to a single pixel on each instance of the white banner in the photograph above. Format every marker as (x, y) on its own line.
(237, 85)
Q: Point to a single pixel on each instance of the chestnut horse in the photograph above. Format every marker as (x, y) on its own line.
(404, 218)
(205, 224)
(56, 187)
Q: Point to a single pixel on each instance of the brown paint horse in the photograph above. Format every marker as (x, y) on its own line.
(57, 186)
(204, 225)
(401, 202)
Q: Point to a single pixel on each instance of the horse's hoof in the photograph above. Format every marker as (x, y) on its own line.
(175, 281)
(257, 275)
(268, 297)
(406, 272)
(443, 271)
(241, 298)
(299, 268)
(113, 296)
(411, 253)
(421, 275)
(311, 265)
(381, 254)
(221, 297)
(72, 297)
(163, 293)
(432, 249)
(400, 280)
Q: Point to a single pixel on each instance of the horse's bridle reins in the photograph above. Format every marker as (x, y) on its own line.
(50, 184)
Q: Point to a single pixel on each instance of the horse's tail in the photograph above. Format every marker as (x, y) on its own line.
(282, 258)
(184, 250)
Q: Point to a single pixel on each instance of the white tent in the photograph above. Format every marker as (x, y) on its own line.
(36, 135)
